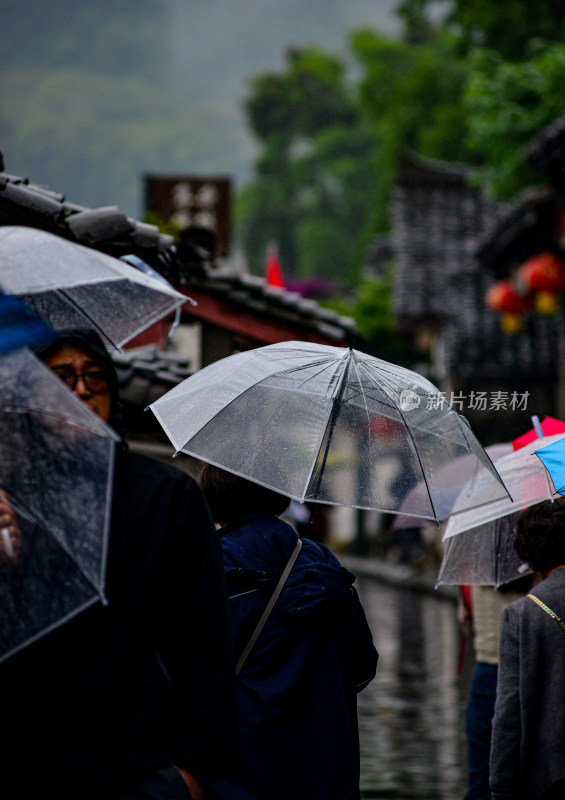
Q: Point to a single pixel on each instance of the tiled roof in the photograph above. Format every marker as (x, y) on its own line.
(107, 229)
(250, 294)
(438, 219)
(524, 228)
(547, 150)
(439, 223)
(187, 264)
(146, 373)
(418, 171)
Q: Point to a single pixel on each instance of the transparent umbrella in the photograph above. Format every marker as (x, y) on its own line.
(484, 556)
(452, 477)
(56, 461)
(329, 425)
(527, 481)
(69, 285)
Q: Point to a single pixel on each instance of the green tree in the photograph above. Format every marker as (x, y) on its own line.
(413, 96)
(314, 172)
(506, 26)
(508, 104)
(329, 147)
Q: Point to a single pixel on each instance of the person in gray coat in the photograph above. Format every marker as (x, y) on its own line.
(528, 737)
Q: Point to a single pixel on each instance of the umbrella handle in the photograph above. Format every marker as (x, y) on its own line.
(8, 547)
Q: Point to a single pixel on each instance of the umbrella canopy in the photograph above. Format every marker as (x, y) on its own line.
(329, 425)
(453, 473)
(552, 457)
(527, 480)
(72, 286)
(484, 556)
(56, 461)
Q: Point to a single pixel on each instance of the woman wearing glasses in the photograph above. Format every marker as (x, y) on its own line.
(134, 699)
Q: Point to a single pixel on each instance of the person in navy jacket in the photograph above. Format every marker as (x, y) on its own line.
(297, 691)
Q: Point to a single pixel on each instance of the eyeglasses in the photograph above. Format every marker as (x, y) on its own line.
(95, 380)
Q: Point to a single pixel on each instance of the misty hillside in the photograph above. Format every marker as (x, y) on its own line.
(94, 95)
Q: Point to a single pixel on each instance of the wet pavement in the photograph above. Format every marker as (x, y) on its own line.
(412, 715)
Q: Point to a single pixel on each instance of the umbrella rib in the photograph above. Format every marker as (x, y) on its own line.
(27, 514)
(330, 419)
(391, 403)
(52, 627)
(106, 533)
(361, 390)
(110, 434)
(324, 363)
(325, 366)
(399, 411)
(324, 427)
(547, 477)
(238, 397)
(496, 553)
(84, 313)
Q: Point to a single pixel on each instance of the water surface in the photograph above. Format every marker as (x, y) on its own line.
(411, 716)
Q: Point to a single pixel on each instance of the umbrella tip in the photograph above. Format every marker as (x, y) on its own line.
(537, 426)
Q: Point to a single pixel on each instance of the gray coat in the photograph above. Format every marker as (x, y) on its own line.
(528, 740)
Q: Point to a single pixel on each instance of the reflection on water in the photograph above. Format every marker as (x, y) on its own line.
(411, 716)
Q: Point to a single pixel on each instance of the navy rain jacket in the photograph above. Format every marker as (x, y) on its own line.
(297, 692)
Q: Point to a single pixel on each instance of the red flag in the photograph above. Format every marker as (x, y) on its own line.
(273, 271)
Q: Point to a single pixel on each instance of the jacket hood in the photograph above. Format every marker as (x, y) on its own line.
(89, 340)
(256, 550)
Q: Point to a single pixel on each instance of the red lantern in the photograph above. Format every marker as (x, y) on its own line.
(543, 273)
(503, 297)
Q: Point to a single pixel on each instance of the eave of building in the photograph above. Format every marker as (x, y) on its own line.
(260, 325)
(527, 226)
(547, 150)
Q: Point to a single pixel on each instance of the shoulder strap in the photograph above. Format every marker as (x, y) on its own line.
(269, 607)
(547, 610)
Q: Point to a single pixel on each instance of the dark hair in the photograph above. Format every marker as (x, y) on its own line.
(91, 343)
(231, 497)
(540, 535)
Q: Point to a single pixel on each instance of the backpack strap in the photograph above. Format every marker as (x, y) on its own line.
(270, 605)
(547, 610)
